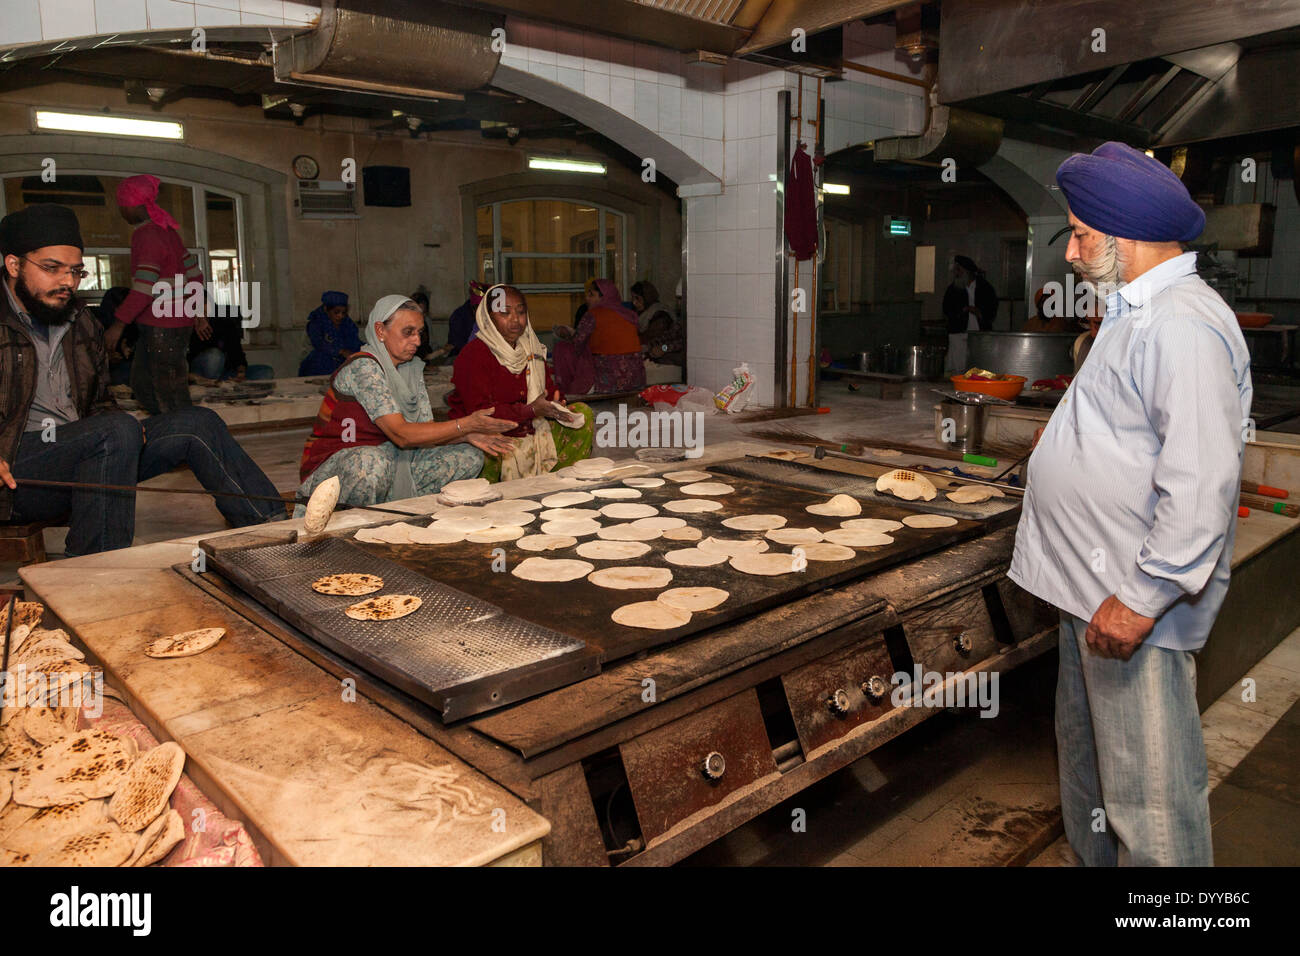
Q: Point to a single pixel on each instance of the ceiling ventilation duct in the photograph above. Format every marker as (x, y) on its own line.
(394, 46)
(971, 139)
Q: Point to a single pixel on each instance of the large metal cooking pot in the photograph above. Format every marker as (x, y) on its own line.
(1034, 355)
(924, 362)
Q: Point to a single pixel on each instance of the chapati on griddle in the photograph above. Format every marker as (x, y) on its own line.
(694, 558)
(643, 482)
(631, 577)
(546, 542)
(693, 599)
(571, 527)
(688, 506)
(825, 551)
(351, 583)
(650, 615)
(733, 546)
(707, 488)
(386, 607)
(628, 532)
(552, 569)
(612, 550)
(687, 476)
(794, 535)
(562, 499)
(754, 522)
(186, 643)
(623, 511)
(836, 507)
(929, 521)
(616, 493)
(776, 562)
(495, 533)
(879, 525)
(682, 534)
(856, 538)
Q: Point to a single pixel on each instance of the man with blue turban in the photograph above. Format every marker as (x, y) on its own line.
(333, 334)
(1130, 515)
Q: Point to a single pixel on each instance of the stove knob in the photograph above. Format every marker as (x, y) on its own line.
(874, 687)
(963, 643)
(838, 703)
(715, 765)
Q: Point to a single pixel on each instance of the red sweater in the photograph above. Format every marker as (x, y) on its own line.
(157, 253)
(482, 382)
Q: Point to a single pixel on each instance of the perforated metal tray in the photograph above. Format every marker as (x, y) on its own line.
(454, 645)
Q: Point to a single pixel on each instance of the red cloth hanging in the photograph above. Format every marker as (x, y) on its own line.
(801, 205)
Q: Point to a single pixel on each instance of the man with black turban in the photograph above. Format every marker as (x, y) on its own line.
(60, 423)
(1129, 520)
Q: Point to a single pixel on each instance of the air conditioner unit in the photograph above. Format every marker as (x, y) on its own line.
(326, 199)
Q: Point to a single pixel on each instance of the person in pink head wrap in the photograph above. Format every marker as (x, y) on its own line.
(160, 371)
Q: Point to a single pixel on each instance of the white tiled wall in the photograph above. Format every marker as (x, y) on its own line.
(39, 21)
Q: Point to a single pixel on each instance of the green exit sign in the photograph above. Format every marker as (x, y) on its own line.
(898, 226)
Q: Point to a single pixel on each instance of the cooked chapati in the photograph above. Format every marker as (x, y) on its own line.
(386, 607)
(45, 725)
(693, 599)
(776, 562)
(855, 538)
(794, 535)
(146, 790)
(103, 845)
(839, 506)
(321, 505)
(687, 476)
(186, 643)
(929, 521)
(49, 824)
(754, 522)
(825, 551)
(973, 494)
(879, 525)
(81, 766)
(906, 484)
(352, 583)
(157, 840)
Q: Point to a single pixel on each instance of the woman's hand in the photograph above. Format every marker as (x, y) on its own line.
(562, 332)
(482, 421)
(493, 445)
(543, 407)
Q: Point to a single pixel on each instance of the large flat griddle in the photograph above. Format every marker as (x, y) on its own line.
(583, 610)
(457, 652)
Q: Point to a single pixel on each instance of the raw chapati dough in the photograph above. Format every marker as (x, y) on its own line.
(321, 505)
(687, 506)
(628, 532)
(825, 551)
(546, 542)
(631, 577)
(627, 493)
(685, 476)
(694, 558)
(775, 562)
(623, 511)
(562, 499)
(652, 615)
(879, 525)
(399, 533)
(571, 527)
(858, 538)
(552, 569)
(643, 482)
(624, 471)
(707, 488)
(733, 546)
(680, 534)
(463, 511)
(612, 550)
(794, 535)
(512, 504)
(838, 507)
(973, 494)
(754, 522)
(929, 521)
(563, 514)
(466, 524)
(386, 607)
(494, 534)
(466, 490)
(693, 599)
(432, 535)
(906, 484)
(186, 643)
(660, 523)
(353, 584)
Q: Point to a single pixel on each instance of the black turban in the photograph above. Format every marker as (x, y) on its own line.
(38, 226)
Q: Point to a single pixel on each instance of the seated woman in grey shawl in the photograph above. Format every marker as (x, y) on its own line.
(375, 429)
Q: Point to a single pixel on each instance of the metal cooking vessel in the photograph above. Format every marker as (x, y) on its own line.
(1034, 355)
(923, 362)
(866, 362)
(960, 427)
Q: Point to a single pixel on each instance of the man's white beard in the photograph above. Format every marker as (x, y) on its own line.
(1103, 271)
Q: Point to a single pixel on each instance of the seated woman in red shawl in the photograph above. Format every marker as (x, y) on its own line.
(603, 354)
(504, 368)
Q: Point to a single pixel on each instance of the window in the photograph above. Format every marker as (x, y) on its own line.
(210, 225)
(549, 248)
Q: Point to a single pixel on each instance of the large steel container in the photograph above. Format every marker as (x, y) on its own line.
(1034, 355)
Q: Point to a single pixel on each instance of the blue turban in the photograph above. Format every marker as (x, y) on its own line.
(1124, 192)
(331, 299)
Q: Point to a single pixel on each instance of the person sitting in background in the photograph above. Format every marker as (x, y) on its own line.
(663, 339)
(504, 368)
(119, 362)
(604, 352)
(59, 420)
(221, 356)
(375, 429)
(426, 349)
(333, 336)
(460, 327)
(1038, 322)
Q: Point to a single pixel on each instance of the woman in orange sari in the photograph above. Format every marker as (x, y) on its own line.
(603, 354)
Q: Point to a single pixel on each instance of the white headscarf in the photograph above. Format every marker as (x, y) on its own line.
(405, 382)
(534, 454)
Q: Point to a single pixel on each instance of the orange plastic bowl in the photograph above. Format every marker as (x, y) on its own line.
(1254, 320)
(1007, 388)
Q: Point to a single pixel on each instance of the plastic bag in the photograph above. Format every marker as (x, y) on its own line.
(736, 396)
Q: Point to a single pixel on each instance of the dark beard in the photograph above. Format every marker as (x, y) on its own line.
(39, 311)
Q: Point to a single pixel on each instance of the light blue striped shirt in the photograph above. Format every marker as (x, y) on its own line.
(1133, 487)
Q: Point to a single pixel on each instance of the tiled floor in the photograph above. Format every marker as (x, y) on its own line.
(957, 789)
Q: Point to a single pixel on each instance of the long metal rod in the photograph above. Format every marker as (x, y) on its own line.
(780, 392)
(9, 627)
(94, 486)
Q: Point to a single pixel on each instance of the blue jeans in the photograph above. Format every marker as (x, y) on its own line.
(210, 363)
(1128, 738)
(114, 448)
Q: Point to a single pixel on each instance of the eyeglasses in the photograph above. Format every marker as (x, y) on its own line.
(76, 272)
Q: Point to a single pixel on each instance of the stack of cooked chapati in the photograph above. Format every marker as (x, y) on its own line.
(73, 797)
